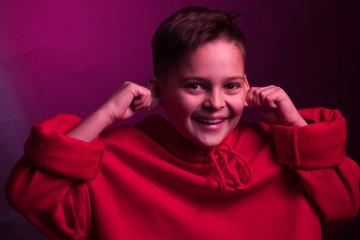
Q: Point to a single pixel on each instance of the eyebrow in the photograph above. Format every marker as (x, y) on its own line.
(206, 79)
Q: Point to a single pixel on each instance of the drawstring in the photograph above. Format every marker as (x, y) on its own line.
(240, 174)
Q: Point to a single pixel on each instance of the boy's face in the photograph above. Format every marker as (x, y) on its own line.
(204, 95)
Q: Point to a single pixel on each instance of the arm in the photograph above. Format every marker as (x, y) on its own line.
(315, 152)
(49, 183)
(274, 105)
(128, 99)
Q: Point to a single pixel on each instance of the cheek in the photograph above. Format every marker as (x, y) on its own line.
(237, 106)
(178, 106)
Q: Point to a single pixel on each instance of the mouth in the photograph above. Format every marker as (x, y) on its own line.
(210, 121)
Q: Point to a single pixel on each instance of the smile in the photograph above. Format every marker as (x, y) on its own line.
(210, 121)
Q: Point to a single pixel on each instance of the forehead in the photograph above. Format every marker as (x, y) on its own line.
(213, 60)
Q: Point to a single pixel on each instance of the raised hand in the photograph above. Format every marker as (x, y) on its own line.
(128, 99)
(274, 105)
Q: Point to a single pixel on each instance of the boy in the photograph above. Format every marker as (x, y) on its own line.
(204, 174)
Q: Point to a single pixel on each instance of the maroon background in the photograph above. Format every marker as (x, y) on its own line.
(70, 56)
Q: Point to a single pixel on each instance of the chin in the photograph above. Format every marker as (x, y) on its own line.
(209, 142)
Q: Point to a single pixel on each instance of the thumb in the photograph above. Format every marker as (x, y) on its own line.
(248, 98)
(246, 102)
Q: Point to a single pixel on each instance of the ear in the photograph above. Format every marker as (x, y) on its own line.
(247, 88)
(153, 85)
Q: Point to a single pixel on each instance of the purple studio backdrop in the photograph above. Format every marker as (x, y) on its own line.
(70, 56)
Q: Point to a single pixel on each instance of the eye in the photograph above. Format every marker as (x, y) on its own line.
(194, 86)
(231, 86)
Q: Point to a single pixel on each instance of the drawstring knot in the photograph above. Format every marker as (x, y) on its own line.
(230, 165)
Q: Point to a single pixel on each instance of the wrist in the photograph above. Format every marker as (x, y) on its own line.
(300, 122)
(103, 116)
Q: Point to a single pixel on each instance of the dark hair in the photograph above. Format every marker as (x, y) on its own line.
(189, 28)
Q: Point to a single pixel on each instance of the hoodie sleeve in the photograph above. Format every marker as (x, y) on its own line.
(48, 184)
(317, 154)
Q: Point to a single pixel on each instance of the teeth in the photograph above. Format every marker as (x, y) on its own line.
(211, 121)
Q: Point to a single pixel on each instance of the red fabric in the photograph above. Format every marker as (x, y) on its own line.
(296, 144)
(49, 149)
(148, 182)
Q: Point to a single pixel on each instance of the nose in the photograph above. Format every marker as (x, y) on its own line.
(214, 100)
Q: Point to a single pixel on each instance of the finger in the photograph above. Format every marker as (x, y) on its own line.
(265, 96)
(247, 98)
(257, 101)
(149, 102)
(143, 101)
(250, 97)
(139, 104)
(275, 96)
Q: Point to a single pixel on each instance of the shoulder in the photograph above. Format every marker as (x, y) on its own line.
(124, 135)
(137, 135)
(328, 122)
(314, 146)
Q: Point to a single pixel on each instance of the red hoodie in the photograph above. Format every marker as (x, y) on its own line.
(148, 182)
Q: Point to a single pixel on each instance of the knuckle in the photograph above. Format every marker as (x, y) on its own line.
(268, 100)
(126, 85)
(257, 91)
(263, 95)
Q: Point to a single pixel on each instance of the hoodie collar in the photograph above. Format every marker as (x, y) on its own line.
(231, 168)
